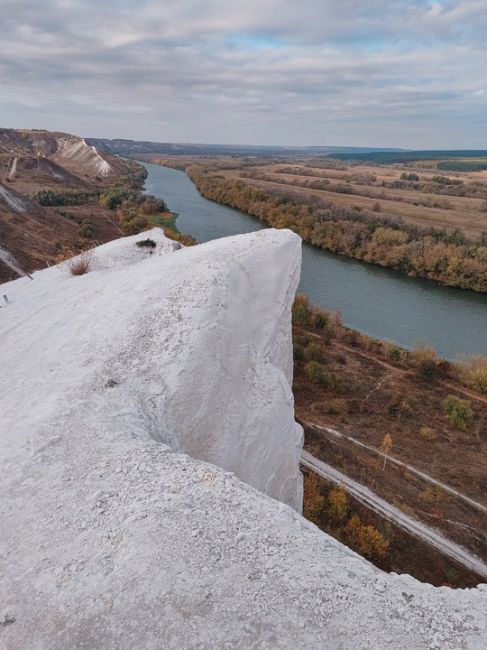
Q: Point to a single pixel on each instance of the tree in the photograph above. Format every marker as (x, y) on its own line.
(338, 504)
(459, 411)
(313, 501)
(386, 447)
(366, 539)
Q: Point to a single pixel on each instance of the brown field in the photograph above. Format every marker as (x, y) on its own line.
(364, 406)
(467, 214)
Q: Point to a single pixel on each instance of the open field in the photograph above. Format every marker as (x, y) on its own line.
(371, 187)
(427, 225)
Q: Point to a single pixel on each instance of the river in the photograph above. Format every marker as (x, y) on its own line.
(380, 302)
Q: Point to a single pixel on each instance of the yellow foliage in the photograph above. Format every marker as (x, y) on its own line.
(338, 504)
(313, 501)
(366, 539)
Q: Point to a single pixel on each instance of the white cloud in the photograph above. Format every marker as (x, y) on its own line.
(316, 72)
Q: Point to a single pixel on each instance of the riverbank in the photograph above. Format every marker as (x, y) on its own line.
(372, 236)
(402, 424)
(379, 302)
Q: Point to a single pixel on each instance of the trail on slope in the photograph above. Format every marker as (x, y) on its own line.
(13, 169)
(12, 264)
(371, 500)
(14, 202)
(400, 463)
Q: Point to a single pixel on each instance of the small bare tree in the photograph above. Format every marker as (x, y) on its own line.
(386, 447)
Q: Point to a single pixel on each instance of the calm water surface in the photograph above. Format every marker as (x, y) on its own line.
(380, 302)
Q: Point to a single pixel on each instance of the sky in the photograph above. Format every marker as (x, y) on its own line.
(383, 73)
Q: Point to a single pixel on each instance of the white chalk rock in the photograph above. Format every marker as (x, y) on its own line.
(114, 533)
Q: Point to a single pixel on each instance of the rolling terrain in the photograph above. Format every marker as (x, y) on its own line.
(32, 234)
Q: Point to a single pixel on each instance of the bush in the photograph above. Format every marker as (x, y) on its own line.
(80, 264)
(313, 501)
(336, 407)
(409, 177)
(86, 230)
(395, 354)
(315, 351)
(366, 539)
(134, 226)
(300, 310)
(338, 504)
(315, 372)
(427, 433)
(427, 363)
(431, 493)
(66, 197)
(319, 319)
(399, 407)
(459, 411)
(334, 382)
(351, 337)
(474, 373)
(146, 243)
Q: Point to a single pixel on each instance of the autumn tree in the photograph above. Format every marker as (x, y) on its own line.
(386, 447)
(313, 501)
(338, 504)
(366, 539)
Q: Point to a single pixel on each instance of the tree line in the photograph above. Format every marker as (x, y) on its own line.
(446, 257)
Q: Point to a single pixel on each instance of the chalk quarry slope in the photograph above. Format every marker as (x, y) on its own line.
(35, 160)
(149, 467)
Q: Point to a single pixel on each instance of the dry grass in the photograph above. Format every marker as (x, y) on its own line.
(464, 213)
(80, 264)
(474, 373)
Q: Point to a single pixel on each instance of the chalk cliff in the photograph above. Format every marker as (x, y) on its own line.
(146, 422)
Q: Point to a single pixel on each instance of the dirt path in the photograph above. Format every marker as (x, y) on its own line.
(395, 461)
(371, 500)
(389, 366)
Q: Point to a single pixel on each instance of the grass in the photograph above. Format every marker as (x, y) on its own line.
(80, 264)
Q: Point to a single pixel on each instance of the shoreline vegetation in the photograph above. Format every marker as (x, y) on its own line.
(430, 253)
(133, 210)
(470, 371)
(137, 211)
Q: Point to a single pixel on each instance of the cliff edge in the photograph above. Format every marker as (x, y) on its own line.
(149, 467)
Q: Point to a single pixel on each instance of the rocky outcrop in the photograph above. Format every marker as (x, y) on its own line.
(147, 420)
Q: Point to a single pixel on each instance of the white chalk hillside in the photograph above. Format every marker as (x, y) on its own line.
(116, 387)
(77, 150)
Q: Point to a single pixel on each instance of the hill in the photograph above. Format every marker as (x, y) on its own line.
(33, 162)
(135, 147)
(150, 467)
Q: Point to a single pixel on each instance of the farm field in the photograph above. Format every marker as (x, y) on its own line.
(416, 220)
(372, 187)
(438, 199)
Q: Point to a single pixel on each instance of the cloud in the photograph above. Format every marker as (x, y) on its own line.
(390, 73)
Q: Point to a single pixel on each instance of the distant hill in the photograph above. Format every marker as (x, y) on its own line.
(404, 156)
(134, 147)
(33, 161)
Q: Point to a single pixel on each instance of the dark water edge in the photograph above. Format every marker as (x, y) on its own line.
(380, 302)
